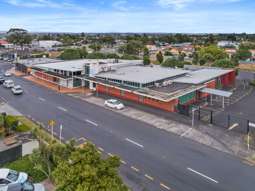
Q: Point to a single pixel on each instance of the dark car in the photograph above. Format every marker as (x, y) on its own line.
(2, 80)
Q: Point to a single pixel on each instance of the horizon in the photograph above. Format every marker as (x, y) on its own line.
(122, 16)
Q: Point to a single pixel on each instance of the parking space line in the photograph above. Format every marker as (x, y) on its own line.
(123, 162)
(110, 154)
(165, 186)
(203, 175)
(135, 143)
(101, 149)
(233, 126)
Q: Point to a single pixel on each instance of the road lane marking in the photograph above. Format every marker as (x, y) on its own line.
(91, 122)
(135, 143)
(41, 99)
(135, 169)
(110, 154)
(165, 186)
(101, 149)
(207, 177)
(149, 177)
(62, 109)
(123, 162)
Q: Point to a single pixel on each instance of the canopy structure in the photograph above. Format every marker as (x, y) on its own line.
(216, 92)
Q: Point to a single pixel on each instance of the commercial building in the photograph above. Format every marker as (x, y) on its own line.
(168, 89)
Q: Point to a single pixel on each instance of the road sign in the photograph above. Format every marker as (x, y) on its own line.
(52, 122)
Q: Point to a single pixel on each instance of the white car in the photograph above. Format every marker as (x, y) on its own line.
(17, 90)
(8, 83)
(8, 176)
(7, 74)
(26, 186)
(113, 103)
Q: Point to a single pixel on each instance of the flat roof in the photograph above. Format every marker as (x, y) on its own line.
(72, 66)
(36, 61)
(217, 92)
(142, 74)
(201, 75)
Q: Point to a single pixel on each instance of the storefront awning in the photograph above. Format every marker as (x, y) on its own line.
(217, 92)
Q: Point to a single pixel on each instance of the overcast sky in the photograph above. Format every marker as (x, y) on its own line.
(173, 16)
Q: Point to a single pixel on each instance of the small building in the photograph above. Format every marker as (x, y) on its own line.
(46, 44)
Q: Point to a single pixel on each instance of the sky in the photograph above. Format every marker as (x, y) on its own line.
(168, 16)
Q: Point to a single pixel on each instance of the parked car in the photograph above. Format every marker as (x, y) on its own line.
(8, 176)
(8, 83)
(7, 74)
(17, 90)
(113, 103)
(26, 186)
(2, 80)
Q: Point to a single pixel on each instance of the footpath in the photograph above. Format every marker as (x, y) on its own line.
(212, 136)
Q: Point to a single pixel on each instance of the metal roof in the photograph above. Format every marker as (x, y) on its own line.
(202, 75)
(142, 74)
(217, 92)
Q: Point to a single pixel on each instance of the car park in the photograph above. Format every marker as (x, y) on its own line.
(8, 83)
(115, 104)
(8, 176)
(17, 90)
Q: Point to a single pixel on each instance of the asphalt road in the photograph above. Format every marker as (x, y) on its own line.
(151, 156)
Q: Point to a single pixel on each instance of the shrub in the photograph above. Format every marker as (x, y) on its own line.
(22, 128)
(11, 122)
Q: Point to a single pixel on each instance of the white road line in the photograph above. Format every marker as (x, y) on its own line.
(135, 169)
(164, 186)
(233, 126)
(135, 143)
(62, 109)
(110, 154)
(101, 149)
(149, 177)
(207, 177)
(91, 122)
(123, 162)
(41, 99)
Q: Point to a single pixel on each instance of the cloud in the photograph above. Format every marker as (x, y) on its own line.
(42, 4)
(182, 3)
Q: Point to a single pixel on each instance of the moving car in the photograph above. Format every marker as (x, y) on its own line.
(26, 186)
(17, 90)
(8, 83)
(2, 80)
(7, 74)
(113, 103)
(8, 176)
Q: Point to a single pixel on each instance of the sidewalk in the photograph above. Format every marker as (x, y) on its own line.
(212, 136)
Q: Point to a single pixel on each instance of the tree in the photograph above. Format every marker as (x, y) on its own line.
(19, 37)
(133, 47)
(160, 57)
(210, 54)
(224, 63)
(171, 62)
(83, 52)
(243, 54)
(85, 170)
(146, 56)
(95, 47)
(70, 54)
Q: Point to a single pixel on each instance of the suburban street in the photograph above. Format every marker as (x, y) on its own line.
(152, 158)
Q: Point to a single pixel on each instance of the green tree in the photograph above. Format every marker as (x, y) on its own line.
(133, 47)
(19, 37)
(160, 57)
(171, 62)
(243, 54)
(146, 56)
(95, 47)
(85, 170)
(224, 63)
(83, 52)
(70, 54)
